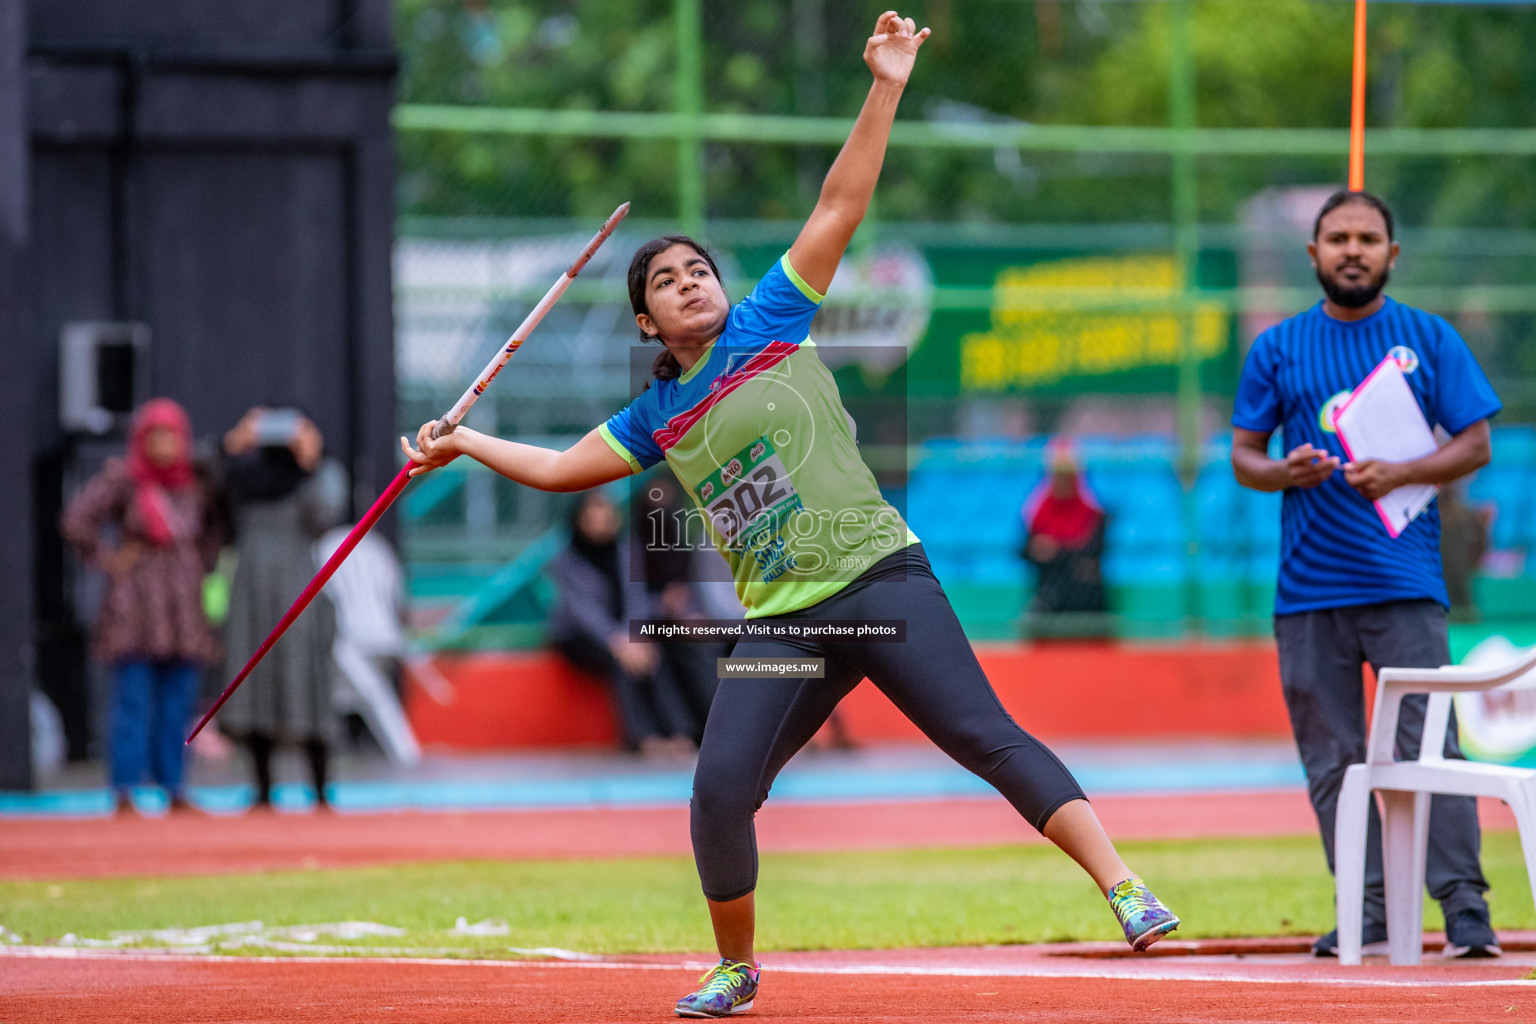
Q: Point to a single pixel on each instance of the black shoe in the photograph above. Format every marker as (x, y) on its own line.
(1469, 935)
(1372, 934)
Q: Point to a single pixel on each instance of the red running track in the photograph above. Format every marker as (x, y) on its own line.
(895, 986)
(890, 987)
(184, 844)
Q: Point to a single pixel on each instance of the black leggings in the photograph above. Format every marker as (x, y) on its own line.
(756, 725)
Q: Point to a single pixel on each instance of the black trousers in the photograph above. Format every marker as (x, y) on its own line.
(1320, 657)
(757, 724)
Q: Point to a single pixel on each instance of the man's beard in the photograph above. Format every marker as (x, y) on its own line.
(1352, 296)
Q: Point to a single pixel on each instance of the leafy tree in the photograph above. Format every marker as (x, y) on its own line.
(1258, 63)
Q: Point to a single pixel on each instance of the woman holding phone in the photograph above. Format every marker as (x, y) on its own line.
(285, 496)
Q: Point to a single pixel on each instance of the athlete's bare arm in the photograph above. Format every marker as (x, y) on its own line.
(587, 463)
(850, 184)
(1303, 466)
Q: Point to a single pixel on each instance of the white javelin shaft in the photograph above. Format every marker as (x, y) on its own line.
(452, 417)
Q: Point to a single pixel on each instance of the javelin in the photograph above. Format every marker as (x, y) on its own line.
(445, 425)
(1357, 106)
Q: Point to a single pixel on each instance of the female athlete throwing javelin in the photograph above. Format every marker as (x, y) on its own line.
(751, 422)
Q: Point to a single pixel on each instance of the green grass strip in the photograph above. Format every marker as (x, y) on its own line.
(884, 899)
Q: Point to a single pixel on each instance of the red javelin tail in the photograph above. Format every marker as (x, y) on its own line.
(326, 572)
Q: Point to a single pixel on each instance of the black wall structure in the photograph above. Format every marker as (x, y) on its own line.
(222, 172)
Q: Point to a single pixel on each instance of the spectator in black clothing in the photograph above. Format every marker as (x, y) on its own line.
(286, 494)
(680, 568)
(667, 552)
(600, 591)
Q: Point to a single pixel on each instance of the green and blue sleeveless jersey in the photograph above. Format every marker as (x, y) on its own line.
(757, 434)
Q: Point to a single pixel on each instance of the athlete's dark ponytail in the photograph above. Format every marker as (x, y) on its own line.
(666, 366)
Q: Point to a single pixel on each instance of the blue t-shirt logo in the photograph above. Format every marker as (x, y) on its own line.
(1406, 358)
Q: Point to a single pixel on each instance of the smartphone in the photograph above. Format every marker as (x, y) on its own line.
(277, 427)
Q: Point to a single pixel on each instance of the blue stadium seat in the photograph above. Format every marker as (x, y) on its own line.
(1262, 568)
(997, 568)
(1514, 446)
(1219, 567)
(1217, 521)
(1150, 525)
(965, 498)
(1139, 569)
(951, 563)
(996, 498)
(1261, 514)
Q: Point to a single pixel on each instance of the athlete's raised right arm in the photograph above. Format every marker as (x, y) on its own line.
(588, 463)
(850, 184)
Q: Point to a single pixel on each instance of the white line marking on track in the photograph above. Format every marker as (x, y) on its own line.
(691, 966)
(1057, 971)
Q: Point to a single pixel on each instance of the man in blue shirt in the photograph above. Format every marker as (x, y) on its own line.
(1349, 593)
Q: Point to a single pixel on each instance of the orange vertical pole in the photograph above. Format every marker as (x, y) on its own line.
(1357, 106)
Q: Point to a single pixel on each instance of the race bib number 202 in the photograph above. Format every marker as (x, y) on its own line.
(750, 497)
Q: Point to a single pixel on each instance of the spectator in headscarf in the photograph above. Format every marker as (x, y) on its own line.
(600, 590)
(1065, 539)
(147, 522)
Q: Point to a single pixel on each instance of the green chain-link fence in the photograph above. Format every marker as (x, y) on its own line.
(1088, 211)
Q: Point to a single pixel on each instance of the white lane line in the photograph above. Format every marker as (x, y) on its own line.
(693, 966)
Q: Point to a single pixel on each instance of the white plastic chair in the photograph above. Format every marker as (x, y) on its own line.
(1405, 788)
(368, 592)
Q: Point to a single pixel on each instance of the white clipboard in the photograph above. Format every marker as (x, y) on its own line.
(1382, 420)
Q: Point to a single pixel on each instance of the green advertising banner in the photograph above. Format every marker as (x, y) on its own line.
(997, 321)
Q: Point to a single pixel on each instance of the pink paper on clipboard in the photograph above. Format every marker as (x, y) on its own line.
(1382, 420)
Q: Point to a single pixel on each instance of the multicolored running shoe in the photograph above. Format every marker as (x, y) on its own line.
(728, 987)
(1143, 917)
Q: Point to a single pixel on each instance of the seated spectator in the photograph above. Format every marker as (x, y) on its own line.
(600, 591)
(1065, 540)
(679, 560)
(145, 520)
(685, 579)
